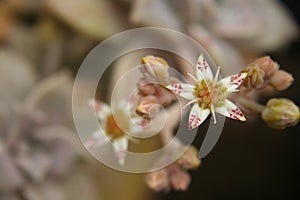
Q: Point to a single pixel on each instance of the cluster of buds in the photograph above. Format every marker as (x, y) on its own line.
(175, 175)
(208, 95)
(263, 72)
(152, 93)
(278, 113)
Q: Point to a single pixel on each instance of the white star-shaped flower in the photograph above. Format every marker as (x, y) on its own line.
(112, 132)
(208, 95)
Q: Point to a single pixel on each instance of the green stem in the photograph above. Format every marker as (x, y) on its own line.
(259, 108)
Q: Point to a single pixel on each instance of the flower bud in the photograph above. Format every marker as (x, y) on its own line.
(164, 96)
(156, 68)
(158, 180)
(148, 106)
(281, 113)
(255, 77)
(180, 180)
(267, 65)
(190, 159)
(281, 80)
(146, 88)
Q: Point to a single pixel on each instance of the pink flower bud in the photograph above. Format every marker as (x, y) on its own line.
(146, 88)
(164, 96)
(267, 65)
(158, 180)
(148, 106)
(190, 159)
(156, 68)
(180, 180)
(281, 80)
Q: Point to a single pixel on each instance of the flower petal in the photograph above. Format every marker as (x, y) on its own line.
(231, 110)
(233, 82)
(203, 70)
(182, 89)
(97, 138)
(120, 147)
(101, 109)
(197, 116)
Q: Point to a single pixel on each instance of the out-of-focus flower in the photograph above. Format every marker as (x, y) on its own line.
(254, 78)
(281, 113)
(190, 159)
(267, 65)
(281, 80)
(114, 129)
(209, 95)
(180, 180)
(172, 176)
(175, 176)
(158, 180)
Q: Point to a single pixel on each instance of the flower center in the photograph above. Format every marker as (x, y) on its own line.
(112, 128)
(208, 93)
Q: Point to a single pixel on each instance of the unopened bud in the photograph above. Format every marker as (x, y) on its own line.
(190, 159)
(180, 180)
(146, 88)
(148, 106)
(158, 180)
(281, 113)
(255, 77)
(267, 65)
(281, 80)
(156, 67)
(164, 96)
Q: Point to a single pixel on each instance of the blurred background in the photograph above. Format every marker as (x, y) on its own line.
(44, 42)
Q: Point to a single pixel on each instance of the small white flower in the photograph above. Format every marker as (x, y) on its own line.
(208, 94)
(113, 132)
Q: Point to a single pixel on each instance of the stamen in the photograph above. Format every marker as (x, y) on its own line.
(217, 74)
(189, 103)
(213, 113)
(193, 77)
